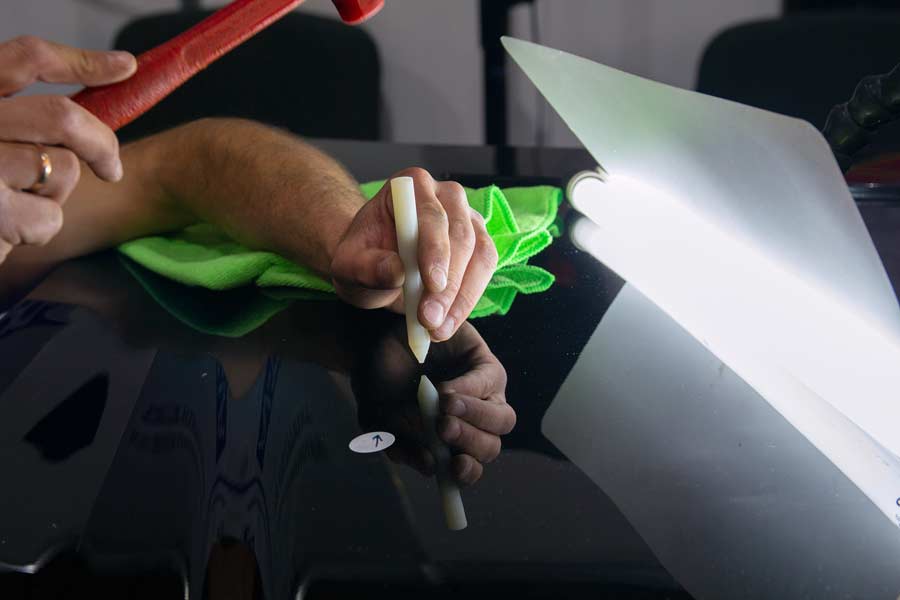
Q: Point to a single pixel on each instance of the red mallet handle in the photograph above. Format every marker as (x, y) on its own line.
(162, 69)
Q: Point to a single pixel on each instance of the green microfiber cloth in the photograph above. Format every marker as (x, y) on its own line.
(521, 222)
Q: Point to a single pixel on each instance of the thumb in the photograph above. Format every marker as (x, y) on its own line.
(368, 278)
(370, 268)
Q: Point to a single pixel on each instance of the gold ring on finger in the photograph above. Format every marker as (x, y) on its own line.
(46, 169)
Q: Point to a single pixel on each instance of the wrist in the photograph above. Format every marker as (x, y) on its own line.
(339, 223)
(324, 221)
(160, 159)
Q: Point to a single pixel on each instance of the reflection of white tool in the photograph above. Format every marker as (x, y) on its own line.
(673, 436)
(454, 512)
(407, 223)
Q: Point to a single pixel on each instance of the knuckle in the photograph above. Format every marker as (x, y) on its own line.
(492, 451)
(455, 189)
(52, 226)
(18, 80)
(451, 291)
(454, 194)
(84, 63)
(67, 168)
(7, 229)
(462, 233)
(463, 304)
(463, 433)
(463, 468)
(29, 49)
(67, 164)
(486, 252)
(462, 308)
(499, 378)
(417, 173)
(433, 211)
(65, 116)
(27, 54)
(509, 419)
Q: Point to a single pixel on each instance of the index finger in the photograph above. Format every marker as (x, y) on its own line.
(27, 59)
(485, 379)
(490, 415)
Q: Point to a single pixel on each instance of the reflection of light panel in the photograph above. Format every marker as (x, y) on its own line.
(820, 363)
(657, 422)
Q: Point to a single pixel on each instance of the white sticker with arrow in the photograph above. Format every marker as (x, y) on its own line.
(374, 441)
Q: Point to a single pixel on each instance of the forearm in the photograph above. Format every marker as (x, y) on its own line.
(265, 188)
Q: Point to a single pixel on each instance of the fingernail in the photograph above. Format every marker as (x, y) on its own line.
(439, 277)
(448, 429)
(119, 170)
(121, 58)
(433, 313)
(456, 407)
(446, 329)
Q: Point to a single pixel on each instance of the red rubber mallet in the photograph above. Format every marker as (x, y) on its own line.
(162, 69)
(354, 12)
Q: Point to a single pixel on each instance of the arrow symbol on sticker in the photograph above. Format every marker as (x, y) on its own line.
(372, 441)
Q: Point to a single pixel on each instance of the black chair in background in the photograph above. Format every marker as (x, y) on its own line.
(313, 76)
(791, 6)
(800, 65)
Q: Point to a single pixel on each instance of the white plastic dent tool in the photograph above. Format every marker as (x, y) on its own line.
(407, 224)
(737, 223)
(451, 500)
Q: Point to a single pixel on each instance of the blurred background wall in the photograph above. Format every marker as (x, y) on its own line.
(431, 54)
